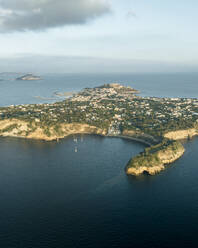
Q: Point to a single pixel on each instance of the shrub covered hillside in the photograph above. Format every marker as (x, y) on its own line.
(153, 159)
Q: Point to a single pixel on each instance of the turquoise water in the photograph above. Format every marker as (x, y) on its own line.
(53, 197)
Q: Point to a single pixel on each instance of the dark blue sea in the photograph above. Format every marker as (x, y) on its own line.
(54, 197)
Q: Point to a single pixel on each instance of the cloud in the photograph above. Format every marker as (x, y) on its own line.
(24, 15)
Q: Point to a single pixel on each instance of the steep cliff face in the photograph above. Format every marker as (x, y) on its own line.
(151, 161)
(144, 169)
(13, 127)
(154, 159)
(168, 156)
(181, 134)
(18, 128)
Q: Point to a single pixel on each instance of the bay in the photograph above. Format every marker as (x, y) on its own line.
(52, 196)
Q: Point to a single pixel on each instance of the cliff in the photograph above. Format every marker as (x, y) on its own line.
(154, 158)
(33, 130)
(151, 161)
(181, 134)
(110, 110)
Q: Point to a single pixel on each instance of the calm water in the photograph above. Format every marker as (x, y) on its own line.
(53, 197)
(24, 92)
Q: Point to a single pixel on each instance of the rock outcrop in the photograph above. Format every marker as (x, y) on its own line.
(181, 134)
(33, 130)
(154, 158)
(151, 161)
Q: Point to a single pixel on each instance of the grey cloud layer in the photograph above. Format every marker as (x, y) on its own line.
(22, 15)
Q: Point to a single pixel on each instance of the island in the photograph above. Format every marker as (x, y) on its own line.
(111, 110)
(29, 77)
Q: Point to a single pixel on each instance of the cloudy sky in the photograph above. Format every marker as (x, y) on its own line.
(98, 35)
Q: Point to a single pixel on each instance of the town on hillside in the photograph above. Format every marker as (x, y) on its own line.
(113, 107)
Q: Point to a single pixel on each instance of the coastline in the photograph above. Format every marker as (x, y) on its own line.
(21, 127)
(153, 163)
(131, 138)
(165, 155)
(111, 110)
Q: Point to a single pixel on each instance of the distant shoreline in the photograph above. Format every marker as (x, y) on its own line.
(29, 77)
(111, 110)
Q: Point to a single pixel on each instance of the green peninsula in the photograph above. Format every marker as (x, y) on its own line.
(111, 110)
(154, 158)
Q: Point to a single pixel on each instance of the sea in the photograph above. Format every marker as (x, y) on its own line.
(70, 194)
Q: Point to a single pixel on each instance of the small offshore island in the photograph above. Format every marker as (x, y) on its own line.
(111, 110)
(29, 77)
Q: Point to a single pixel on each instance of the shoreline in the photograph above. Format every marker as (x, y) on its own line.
(110, 110)
(130, 138)
(67, 136)
(20, 129)
(168, 158)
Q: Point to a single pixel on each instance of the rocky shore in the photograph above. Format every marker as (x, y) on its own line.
(155, 158)
(22, 129)
(151, 161)
(181, 134)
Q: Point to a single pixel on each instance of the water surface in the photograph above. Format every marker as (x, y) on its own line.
(54, 197)
(161, 85)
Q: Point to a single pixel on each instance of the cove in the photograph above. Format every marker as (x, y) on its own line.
(52, 196)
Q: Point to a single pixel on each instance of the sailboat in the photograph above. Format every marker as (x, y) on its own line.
(76, 149)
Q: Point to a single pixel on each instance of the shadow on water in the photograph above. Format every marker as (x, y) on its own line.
(85, 199)
(140, 180)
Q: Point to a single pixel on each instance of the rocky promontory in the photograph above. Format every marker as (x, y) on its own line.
(36, 130)
(154, 158)
(181, 134)
(110, 110)
(151, 161)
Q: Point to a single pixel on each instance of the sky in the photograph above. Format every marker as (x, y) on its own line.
(98, 35)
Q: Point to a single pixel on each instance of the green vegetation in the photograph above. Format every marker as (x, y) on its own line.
(9, 128)
(150, 156)
(114, 109)
(58, 130)
(47, 131)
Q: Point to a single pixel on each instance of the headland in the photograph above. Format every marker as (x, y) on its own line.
(111, 110)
